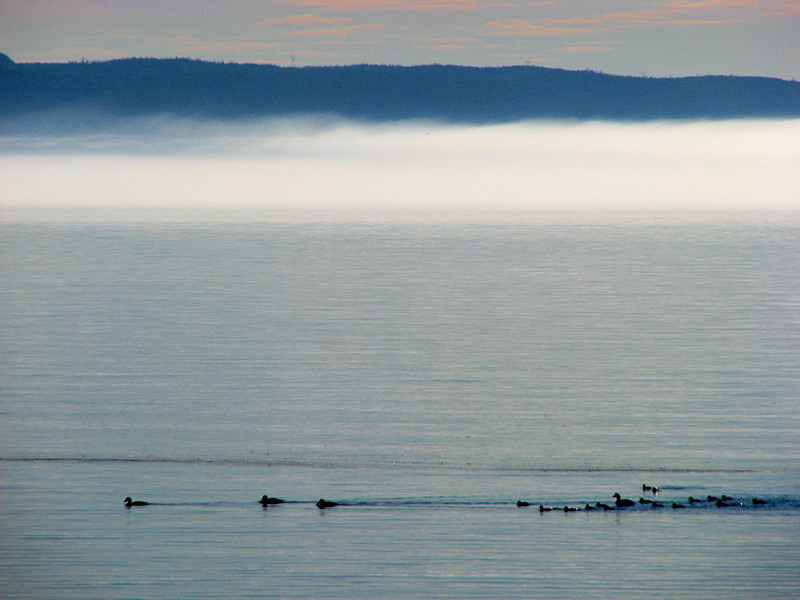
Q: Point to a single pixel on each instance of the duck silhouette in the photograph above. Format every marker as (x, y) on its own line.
(694, 500)
(266, 500)
(544, 508)
(522, 503)
(645, 501)
(322, 503)
(759, 501)
(622, 502)
(128, 502)
(676, 505)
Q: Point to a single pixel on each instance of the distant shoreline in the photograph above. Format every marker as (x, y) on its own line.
(85, 92)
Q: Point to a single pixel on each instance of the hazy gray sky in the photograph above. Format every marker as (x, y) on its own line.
(656, 37)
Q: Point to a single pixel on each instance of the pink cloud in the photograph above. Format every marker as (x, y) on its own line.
(339, 31)
(443, 47)
(522, 28)
(691, 22)
(579, 21)
(306, 20)
(397, 5)
(584, 49)
(460, 41)
(711, 4)
(673, 13)
(785, 8)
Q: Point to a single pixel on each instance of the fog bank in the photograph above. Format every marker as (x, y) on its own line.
(727, 165)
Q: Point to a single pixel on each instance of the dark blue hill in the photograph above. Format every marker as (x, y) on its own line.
(207, 90)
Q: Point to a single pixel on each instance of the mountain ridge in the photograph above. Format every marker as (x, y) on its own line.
(182, 87)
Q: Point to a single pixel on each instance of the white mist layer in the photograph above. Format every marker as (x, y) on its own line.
(730, 165)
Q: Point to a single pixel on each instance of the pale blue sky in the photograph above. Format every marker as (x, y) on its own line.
(656, 37)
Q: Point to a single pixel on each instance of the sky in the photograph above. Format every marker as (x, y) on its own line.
(628, 37)
(313, 165)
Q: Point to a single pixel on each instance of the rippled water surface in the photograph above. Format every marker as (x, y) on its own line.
(424, 373)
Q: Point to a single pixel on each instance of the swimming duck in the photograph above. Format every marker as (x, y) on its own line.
(604, 506)
(711, 498)
(721, 503)
(725, 498)
(645, 501)
(265, 500)
(646, 488)
(522, 503)
(759, 501)
(676, 505)
(128, 502)
(657, 505)
(322, 503)
(544, 508)
(693, 500)
(570, 509)
(623, 501)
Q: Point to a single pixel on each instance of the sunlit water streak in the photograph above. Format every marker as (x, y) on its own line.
(426, 374)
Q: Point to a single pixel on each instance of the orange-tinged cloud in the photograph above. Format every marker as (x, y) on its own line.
(443, 47)
(674, 12)
(711, 4)
(522, 28)
(578, 21)
(460, 41)
(695, 22)
(339, 31)
(398, 5)
(584, 49)
(306, 20)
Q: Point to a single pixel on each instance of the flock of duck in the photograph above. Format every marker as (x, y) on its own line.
(265, 502)
(619, 502)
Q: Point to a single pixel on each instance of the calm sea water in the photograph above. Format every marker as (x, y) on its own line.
(424, 372)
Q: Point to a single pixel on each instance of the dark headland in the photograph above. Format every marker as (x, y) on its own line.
(140, 87)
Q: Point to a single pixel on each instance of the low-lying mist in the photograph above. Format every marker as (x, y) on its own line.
(323, 165)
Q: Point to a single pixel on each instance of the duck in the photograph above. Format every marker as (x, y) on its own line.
(604, 506)
(711, 498)
(725, 498)
(570, 509)
(128, 502)
(521, 503)
(657, 505)
(721, 503)
(645, 501)
(266, 500)
(621, 502)
(544, 508)
(589, 507)
(322, 503)
(677, 505)
(694, 500)
(646, 488)
(759, 501)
